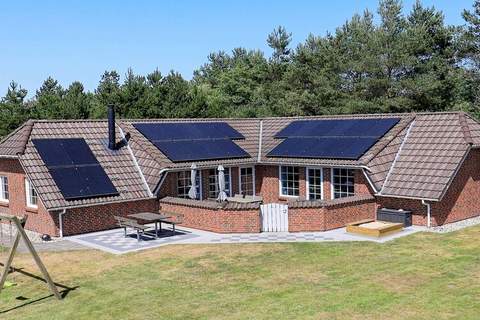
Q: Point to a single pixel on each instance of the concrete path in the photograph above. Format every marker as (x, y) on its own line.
(53, 246)
(115, 242)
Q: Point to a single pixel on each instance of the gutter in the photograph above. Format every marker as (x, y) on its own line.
(429, 212)
(60, 221)
(370, 182)
(98, 204)
(163, 174)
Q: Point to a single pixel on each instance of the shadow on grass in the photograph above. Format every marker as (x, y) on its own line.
(65, 290)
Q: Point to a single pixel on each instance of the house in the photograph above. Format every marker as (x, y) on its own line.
(73, 176)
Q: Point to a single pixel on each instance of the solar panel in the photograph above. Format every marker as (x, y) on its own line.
(351, 148)
(74, 168)
(338, 128)
(83, 182)
(195, 141)
(187, 131)
(59, 152)
(194, 150)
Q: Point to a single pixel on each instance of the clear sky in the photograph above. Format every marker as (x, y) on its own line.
(78, 40)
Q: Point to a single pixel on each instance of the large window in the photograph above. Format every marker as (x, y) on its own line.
(343, 183)
(184, 184)
(3, 188)
(31, 194)
(247, 181)
(213, 183)
(314, 183)
(289, 181)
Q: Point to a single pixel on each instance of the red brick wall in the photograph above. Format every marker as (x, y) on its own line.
(267, 181)
(459, 203)
(327, 180)
(39, 219)
(340, 215)
(217, 220)
(419, 211)
(101, 217)
(329, 217)
(462, 200)
(169, 186)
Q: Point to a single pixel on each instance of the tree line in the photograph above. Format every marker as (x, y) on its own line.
(403, 63)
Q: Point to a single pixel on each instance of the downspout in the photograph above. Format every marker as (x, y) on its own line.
(429, 212)
(60, 221)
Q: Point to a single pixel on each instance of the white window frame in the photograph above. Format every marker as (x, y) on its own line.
(216, 181)
(4, 194)
(199, 177)
(240, 178)
(307, 180)
(28, 194)
(280, 191)
(332, 189)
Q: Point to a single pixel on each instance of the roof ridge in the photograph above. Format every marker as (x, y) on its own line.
(345, 115)
(467, 135)
(387, 142)
(410, 126)
(28, 125)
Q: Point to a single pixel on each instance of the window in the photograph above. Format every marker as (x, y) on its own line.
(184, 184)
(213, 183)
(289, 181)
(31, 194)
(343, 183)
(314, 183)
(247, 181)
(3, 188)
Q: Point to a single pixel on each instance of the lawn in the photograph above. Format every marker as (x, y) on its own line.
(423, 276)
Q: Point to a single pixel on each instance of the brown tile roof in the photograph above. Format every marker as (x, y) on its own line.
(420, 164)
(15, 142)
(210, 204)
(119, 165)
(432, 150)
(330, 203)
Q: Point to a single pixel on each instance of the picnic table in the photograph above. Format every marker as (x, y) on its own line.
(152, 217)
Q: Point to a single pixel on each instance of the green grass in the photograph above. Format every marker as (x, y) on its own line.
(423, 276)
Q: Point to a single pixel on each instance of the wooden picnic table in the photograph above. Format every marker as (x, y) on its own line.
(152, 217)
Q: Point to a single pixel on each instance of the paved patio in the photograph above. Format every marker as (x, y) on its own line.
(115, 242)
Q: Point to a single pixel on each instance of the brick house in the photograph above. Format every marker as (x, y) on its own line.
(427, 163)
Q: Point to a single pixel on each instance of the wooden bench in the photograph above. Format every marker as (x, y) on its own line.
(174, 219)
(129, 223)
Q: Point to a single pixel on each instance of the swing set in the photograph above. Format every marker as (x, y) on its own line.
(19, 223)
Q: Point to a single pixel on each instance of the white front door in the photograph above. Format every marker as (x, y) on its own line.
(274, 217)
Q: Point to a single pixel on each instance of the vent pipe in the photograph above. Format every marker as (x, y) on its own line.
(111, 128)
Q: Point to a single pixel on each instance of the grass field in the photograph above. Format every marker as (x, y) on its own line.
(423, 276)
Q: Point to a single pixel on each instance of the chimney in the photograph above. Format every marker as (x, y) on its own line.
(112, 145)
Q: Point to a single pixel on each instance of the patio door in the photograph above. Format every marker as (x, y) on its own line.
(274, 217)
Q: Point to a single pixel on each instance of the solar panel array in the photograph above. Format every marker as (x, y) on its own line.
(182, 141)
(74, 168)
(331, 139)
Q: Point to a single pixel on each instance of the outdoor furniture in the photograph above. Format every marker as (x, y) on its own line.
(130, 223)
(173, 220)
(151, 217)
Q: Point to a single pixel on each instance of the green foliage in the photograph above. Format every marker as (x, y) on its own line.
(408, 62)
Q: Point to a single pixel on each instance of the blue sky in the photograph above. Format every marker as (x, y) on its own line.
(78, 40)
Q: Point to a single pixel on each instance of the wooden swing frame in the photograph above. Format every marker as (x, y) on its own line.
(20, 223)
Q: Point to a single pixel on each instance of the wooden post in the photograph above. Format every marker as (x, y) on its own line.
(21, 234)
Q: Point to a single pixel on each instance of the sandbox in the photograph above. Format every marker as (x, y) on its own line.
(374, 228)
